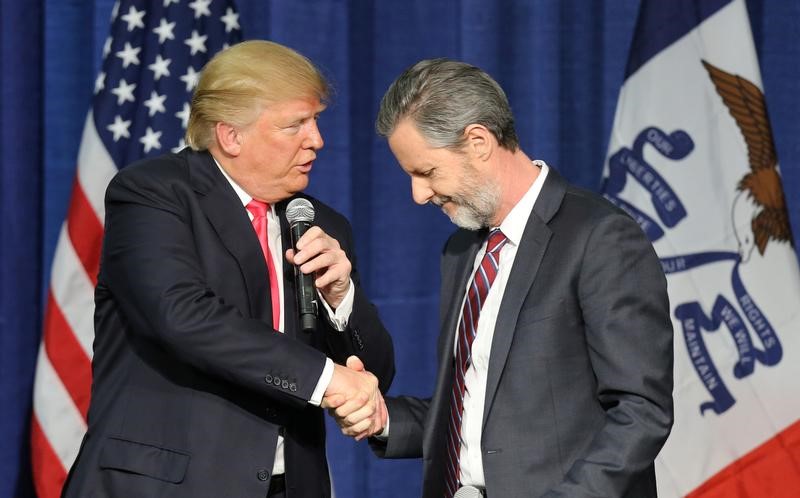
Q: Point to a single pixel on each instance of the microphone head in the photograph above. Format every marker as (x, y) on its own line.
(468, 492)
(299, 210)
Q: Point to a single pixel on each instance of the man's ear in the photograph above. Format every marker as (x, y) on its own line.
(480, 143)
(229, 138)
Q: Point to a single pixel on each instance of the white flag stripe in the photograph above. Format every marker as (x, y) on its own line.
(59, 418)
(73, 291)
(95, 167)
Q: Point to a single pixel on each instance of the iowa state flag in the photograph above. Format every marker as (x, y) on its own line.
(691, 157)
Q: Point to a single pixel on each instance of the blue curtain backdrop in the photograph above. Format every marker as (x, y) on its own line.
(561, 63)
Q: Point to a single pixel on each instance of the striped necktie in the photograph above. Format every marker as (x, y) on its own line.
(467, 328)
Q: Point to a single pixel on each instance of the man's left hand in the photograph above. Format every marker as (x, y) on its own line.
(320, 254)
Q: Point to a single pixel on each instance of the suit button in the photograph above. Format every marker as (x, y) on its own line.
(357, 339)
(293, 387)
(268, 378)
(276, 381)
(263, 475)
(285, 384)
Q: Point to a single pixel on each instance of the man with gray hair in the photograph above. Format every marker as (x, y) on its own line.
(205, 384)
(555, 347)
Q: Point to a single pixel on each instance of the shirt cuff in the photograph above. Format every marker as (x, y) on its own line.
(384, 435)
(341, 316)
(322, 384)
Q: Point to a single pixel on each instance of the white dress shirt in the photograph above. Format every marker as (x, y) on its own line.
(475, 377)
(338, 318)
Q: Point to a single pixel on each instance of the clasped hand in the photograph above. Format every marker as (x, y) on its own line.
(354, 401)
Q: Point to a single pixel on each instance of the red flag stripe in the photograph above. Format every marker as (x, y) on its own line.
(50, 475)
(772, 469)
(85, 231)
(67, 356)
(73, 291)
(58, 416)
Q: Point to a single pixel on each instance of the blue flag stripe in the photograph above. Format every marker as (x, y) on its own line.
(663, 22)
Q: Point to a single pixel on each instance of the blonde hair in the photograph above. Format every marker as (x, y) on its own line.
(240, 81)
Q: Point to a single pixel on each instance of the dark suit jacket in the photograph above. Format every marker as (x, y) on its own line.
(191, 385)
(579, 387)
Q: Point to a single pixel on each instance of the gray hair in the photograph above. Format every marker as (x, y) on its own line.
(443, 97)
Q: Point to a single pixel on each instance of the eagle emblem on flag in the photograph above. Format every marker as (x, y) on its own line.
(759, 210)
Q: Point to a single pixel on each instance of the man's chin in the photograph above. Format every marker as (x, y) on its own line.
(463, 220)
(296, 186)
(301, 182)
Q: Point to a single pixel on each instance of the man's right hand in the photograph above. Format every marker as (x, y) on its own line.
(358, 408)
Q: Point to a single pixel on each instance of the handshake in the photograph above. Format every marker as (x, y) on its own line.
(354, 400)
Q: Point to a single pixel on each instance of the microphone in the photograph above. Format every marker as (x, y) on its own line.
(468, 492)
(300, 214)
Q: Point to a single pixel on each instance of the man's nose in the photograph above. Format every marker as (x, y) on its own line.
(314, 138)
(421, 191)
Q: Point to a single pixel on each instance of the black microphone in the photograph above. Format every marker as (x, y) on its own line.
(300, 214)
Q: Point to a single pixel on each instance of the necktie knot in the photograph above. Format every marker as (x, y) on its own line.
(496, 241)
(257, 208)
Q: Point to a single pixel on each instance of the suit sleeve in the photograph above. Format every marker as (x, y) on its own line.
(151, 266)
(406, 427)
(623, 297)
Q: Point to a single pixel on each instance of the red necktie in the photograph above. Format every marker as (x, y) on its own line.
(467, 328)
(259, 211)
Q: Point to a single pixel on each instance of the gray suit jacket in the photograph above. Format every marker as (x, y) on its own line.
(579, 388)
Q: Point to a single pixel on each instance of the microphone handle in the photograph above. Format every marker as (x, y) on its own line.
(305, 292)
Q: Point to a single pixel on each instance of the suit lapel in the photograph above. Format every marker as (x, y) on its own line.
(226, 214)
(529, 257)
(457, 264)
(456, 272)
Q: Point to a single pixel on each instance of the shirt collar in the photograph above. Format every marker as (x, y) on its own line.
(243, 196)
(514, 223)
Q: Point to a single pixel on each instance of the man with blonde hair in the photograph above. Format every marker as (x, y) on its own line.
(204, 382)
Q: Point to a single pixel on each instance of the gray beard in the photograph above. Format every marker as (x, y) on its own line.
(476, 208)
